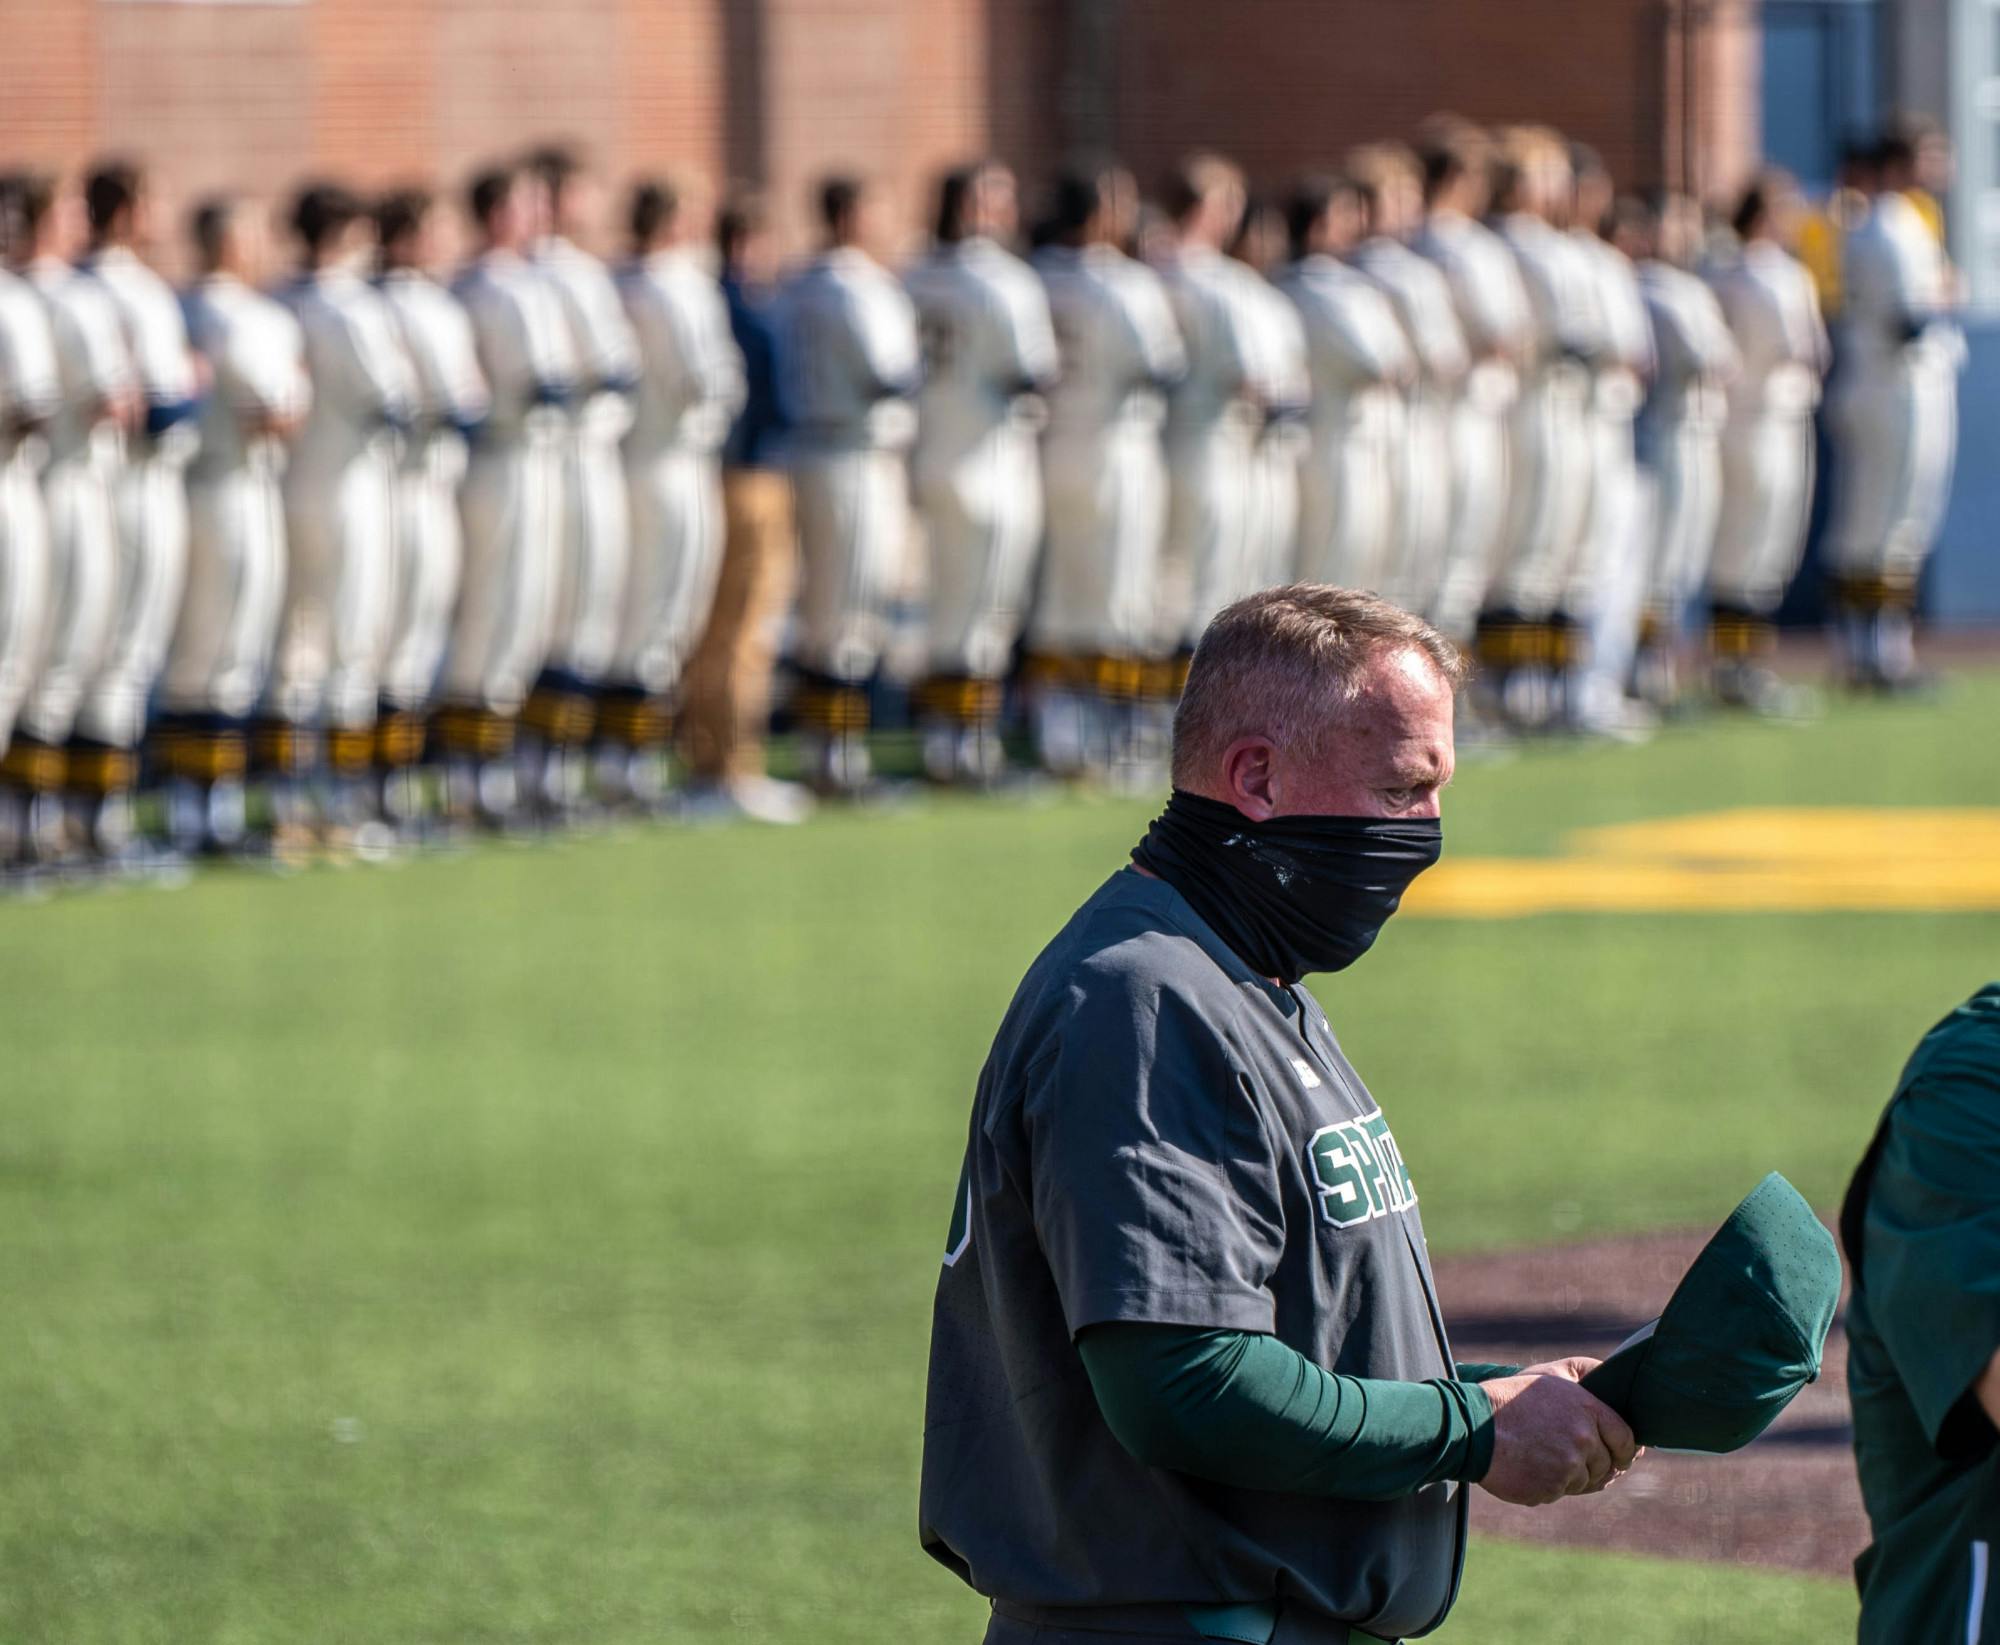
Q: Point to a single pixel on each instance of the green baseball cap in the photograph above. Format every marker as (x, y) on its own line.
(1741, 1335)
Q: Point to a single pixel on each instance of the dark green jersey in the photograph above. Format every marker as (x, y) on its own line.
(1922, 1231)
(1162, 1137)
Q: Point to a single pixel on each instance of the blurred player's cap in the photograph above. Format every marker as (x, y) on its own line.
(1741, 1335)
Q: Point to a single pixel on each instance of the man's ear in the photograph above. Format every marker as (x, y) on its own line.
(1249, 777)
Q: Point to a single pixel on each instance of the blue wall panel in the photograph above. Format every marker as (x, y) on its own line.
(1964, 582)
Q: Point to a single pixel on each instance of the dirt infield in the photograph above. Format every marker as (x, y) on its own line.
(1789, 1499)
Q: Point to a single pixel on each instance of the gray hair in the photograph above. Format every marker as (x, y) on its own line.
(1286, 664)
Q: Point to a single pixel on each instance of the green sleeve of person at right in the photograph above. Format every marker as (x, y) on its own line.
(1931, 1246)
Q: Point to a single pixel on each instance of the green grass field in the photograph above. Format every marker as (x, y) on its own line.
(538, 1245)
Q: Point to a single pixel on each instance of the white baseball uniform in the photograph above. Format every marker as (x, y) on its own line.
(1419, 293)
(1767, 439)
(151, 500)
(513, 484)
(1895, 414)
(1492, 307)
(1680, 432)
(1103, 472)
(223, 642)
(1607, 581)
(691, 386)
(85, 451)
(850, 360)
(436, 336)
(1548, 434)
(1283, 373)
(340, 505)
(1359, 358)
(988, 346)
(597, 531)
(1213, 420)
(30, 393)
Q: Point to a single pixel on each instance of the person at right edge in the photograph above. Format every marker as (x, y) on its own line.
(1921, 1229)
(1189, 1378)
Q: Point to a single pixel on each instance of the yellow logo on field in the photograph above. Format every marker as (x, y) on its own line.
(1765, 859)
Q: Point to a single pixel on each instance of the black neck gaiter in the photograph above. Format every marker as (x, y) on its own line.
(1292, 895)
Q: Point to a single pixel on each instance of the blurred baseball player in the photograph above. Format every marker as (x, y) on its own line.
(851, 364)
(228, 625)
(1680, 427)
(1604, 594)
(975, 476)
(1104, 478)
(1894, 423)
(1188, 1374)
(1216, 412)
(691, 385)
(340, 522)
(451, 403)
(1492, 308)
(1392, 189)
(1823, 231)
(151, 507)
(1767, 440)
(30, 397)
(1360, 362)
(1926, 180)
(1284, 378)
(510, 504)
(596, 552)
(1549, 432)
(99, 399)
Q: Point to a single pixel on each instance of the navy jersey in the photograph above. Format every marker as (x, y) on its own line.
(1161, 1136)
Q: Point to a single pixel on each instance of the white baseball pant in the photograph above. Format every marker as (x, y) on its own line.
(83, 590)
(982, 517)
(1107, 512)
(853, 516)
(234, 597)
(499, 636)
(151, 507)
(677, 541)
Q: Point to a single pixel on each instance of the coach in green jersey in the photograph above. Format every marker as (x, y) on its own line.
(1922, 1230)
(1189, 1377)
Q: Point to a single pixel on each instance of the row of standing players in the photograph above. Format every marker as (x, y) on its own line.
(387, 545)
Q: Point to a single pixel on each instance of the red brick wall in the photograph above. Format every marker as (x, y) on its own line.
(672, 57)
(211, 97)
(48, 79)
(373, 114)
(1280, 83)
(256, 95)
(895, 87)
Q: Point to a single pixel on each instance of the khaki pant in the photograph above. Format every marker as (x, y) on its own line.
(726, 694)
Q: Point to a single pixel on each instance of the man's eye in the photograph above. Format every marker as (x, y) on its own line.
(1399, 798)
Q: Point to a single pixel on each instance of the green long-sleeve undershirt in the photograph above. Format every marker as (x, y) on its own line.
(1245, 1409)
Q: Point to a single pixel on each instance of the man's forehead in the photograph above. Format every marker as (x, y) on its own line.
(1404, 712)
(1403, 686)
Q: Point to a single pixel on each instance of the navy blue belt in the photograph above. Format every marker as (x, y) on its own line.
(1257, 1622)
